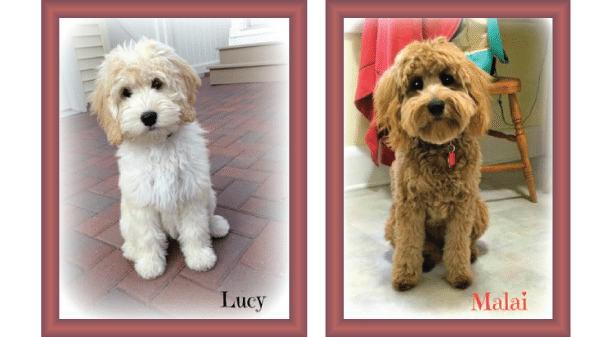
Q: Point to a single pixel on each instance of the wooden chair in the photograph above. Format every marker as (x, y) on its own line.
(510, 86)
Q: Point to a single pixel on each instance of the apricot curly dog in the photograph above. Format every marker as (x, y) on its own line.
(434, 103)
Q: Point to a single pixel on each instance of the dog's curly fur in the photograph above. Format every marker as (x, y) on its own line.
(144, 100)
(431, 99)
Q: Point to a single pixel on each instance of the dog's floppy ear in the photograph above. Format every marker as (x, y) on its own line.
(190, 82)
(387, 103)
(478, 84)
(100, 107)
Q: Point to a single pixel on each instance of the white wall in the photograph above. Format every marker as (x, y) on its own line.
(195, 40)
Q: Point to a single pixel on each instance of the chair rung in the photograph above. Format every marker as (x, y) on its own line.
(503, 167)
(498, 134)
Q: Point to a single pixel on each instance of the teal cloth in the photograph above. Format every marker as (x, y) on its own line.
(484, 58)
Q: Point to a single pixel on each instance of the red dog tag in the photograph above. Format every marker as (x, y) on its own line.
(451, 156)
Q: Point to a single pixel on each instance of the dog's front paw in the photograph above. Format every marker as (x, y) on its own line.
(404, 281)
(150, 266)
(460, 281)
(401, 285)
(201, 259)
(218, 226)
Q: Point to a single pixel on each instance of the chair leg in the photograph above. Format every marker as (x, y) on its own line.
(521, 141)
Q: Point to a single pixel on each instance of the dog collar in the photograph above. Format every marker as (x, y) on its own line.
(383, 133)
(451, 156)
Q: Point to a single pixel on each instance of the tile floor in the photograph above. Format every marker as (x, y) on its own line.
(247, 128)
(516, 257)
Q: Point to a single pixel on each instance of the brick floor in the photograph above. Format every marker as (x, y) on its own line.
(247, 146)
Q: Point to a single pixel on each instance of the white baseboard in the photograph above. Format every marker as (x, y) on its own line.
(360, 172)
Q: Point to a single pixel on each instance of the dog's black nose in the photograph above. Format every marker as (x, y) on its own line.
(149, 118)
(435, 108)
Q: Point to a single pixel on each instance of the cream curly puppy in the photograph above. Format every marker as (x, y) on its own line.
(434, 103)
(143, 100)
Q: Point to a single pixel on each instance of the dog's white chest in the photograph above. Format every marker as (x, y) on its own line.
(163, 175)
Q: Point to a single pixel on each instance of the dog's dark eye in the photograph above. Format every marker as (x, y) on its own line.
(447, 79)
(416, 83)
(126, 92)
(156, 84)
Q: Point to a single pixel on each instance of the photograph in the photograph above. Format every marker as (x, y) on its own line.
(447, 177)
(174, 183)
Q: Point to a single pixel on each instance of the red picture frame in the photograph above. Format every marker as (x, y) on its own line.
(559, 11)
(52, 11)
